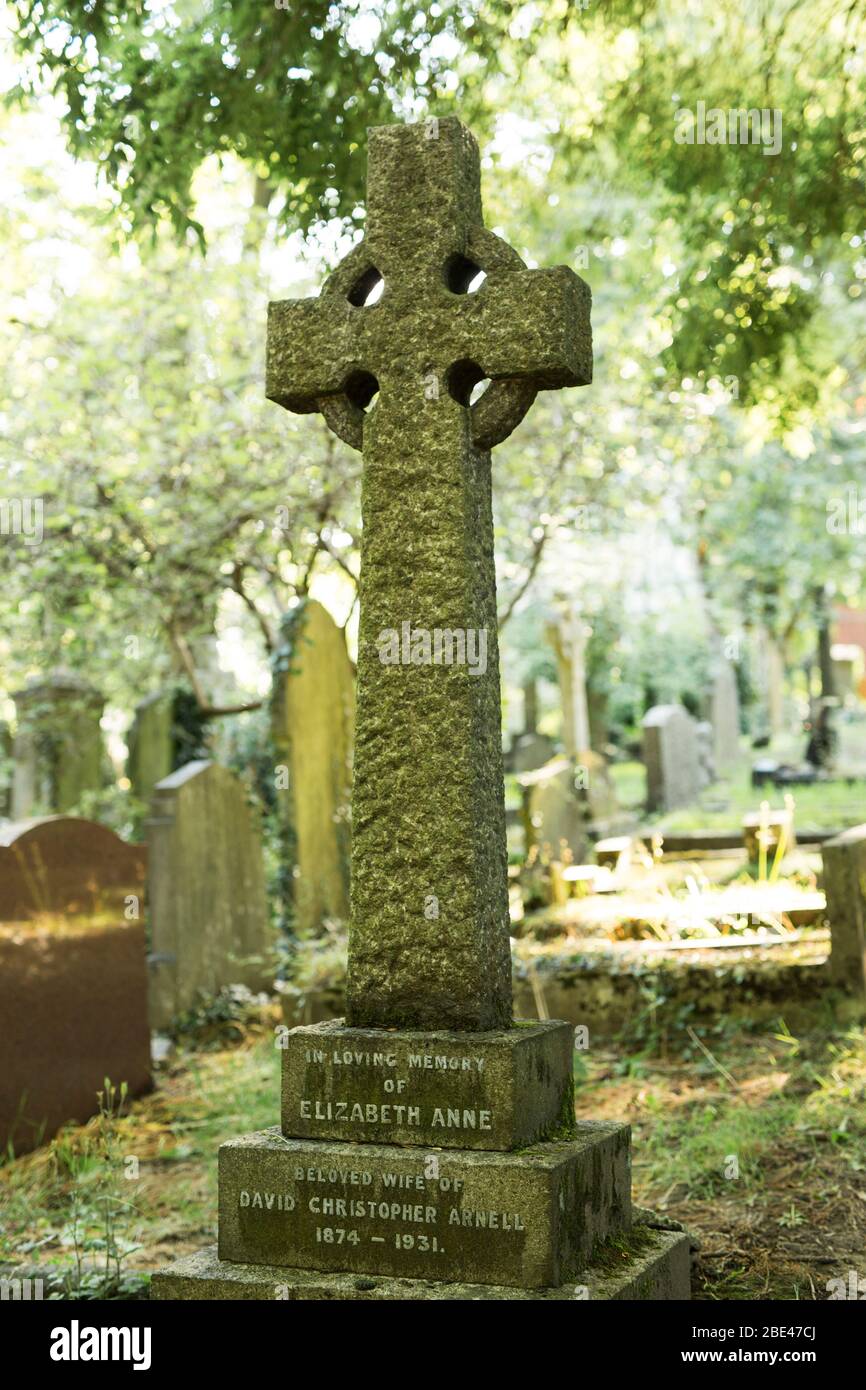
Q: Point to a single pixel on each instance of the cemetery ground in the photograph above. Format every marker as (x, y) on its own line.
(746, 1100)
(753, 1137)
(747, 1123)
(671, 865)
(826, 805)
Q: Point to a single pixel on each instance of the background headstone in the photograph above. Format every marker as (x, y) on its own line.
(74, 1011)
(845, 887)
(6, 771)
(706, 739)
(594, 787)
(209, 923)
(724, 715)
(167, 732)
(65, 865)
(150, 742)
(313, 716)
(567, 807)
(58, 747)
(671, 756)
(530, 749)
(555, 819)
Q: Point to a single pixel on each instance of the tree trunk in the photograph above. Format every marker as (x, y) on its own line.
(825, 660)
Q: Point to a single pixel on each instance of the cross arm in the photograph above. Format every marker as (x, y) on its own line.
(531, 324)
(313, 348)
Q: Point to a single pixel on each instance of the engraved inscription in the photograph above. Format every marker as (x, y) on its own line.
(408, 1212)
(526, 1218)
(331, 1070)
(343, 1057)
(445, 1090)
(409, 1115)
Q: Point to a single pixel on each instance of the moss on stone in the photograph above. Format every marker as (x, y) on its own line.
(565, 1124)
(429, 941)
(312, 721)
(611, 1254)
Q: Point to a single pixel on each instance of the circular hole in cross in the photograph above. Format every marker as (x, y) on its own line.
(466, 382)
(463, 276)
(361, 388)
(367, 289)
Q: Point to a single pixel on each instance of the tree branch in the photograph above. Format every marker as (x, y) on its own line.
(534, 562)
(537, 549)
(208, 711)
(238, 587)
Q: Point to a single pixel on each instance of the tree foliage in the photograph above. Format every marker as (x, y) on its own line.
(151, 92)
(728, 311)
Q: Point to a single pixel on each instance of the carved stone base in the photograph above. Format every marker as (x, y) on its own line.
(500, 1090)
(649, 1265)
(530, 1218)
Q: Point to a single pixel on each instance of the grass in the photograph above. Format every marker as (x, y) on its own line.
(761, 1151)
(759, 1148)
(166, 1146)
(825, 806)
(629, 780)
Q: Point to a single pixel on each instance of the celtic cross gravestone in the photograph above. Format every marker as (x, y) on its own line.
(428, 1137)
(429, 939)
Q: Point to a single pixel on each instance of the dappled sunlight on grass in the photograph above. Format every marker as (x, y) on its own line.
(759, 1147)
(761, 1151)
(172, 1136)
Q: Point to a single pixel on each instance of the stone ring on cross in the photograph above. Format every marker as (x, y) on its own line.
(503, 405)
(526, 330)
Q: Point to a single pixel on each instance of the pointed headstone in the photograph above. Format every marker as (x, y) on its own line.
(313, 718)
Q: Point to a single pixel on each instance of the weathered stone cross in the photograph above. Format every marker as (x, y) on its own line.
(428, 944)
